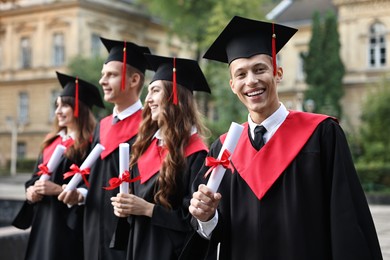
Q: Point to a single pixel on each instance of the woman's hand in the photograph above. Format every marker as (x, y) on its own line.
(47, 188)
(129, 204)
(32, 196)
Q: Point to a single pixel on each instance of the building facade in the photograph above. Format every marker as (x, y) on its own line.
(364, 29)
(38, 37)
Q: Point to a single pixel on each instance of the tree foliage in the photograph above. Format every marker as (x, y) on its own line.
(375, 128)
(323, 66)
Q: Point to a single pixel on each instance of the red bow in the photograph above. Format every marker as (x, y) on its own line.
(224, 161)
(115, 182)
(75, 169)
(43, 170)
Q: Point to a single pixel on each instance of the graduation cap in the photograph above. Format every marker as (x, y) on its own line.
(127, 53)
(243, 38)
(79, 90)
(181, 71)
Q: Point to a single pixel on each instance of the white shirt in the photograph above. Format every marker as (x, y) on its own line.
(272, 123)
(128, 111)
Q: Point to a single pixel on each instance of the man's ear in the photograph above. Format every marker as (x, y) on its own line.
(279, 75)
(134, 79)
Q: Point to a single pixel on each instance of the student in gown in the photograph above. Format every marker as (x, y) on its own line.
(166, 156)
(298, 196)
(56, 229)
(123, 90)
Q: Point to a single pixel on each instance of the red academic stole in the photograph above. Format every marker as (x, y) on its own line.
(150, 162)
(48, 150)
(112, 135)
(260, 169)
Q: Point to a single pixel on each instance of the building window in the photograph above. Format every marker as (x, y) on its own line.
(377, 46)
(25, 52)
(23, 108)
(21, 150)
(58, 49)
(95, 45)
(1, 56)
(53, 98)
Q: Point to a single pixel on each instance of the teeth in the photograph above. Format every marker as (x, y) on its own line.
(255, 93)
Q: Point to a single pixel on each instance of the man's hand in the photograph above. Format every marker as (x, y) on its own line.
(71, 197)
(204, 203)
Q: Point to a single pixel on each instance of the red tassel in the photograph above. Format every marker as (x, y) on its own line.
(274, 48)
(123, 86)
(76, 99)
(175, 101)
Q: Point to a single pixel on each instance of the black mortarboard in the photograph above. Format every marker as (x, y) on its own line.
(243, 38)
(86, 92)
(134, 53)
(185, 72)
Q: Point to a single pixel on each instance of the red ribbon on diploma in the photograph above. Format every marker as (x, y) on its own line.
(224, 161)
(115, 182)
(43, 170)
(75, 169)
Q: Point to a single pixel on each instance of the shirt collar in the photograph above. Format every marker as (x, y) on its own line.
(271, 123)
(128, 111)
(64, 136)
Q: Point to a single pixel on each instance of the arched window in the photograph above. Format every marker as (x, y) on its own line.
(377, 45)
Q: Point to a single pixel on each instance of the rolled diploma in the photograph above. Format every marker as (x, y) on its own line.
(89, 161)
(53, 161)
(123, 165)
(230, 144)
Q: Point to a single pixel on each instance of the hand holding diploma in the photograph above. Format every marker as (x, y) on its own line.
(79, 173)
(46, 170)
(124, 175)
(219, 166)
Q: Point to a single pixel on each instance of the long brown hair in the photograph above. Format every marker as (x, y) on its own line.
(85, 123)
(175, 123)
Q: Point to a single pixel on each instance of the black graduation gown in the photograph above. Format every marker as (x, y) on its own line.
(315, 209)
(100, 221)
(56, 229)
(163, 235)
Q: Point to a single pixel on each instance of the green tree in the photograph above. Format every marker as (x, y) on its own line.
(323, 66)
(375, 128)
(89, 69)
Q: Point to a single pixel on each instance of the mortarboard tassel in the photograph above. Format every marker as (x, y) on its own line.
(175, 101)
(123, 86)
(274, 48)
(76, 102)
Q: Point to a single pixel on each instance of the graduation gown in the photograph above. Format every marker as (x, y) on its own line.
(292, 202)
(163, 235)
(100, 221)
(56, 229)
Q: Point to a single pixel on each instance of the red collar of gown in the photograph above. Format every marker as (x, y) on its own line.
(260, 169)
(151, 160)
(48, 150)
(112, 135)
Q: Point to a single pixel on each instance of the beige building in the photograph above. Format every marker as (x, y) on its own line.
(364, 28)
(38, 37)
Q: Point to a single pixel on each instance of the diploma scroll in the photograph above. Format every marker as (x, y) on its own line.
(123, 165)
(53, 161)
(230, 144)
(89, 161)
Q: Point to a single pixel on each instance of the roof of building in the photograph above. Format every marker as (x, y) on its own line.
(288, 11)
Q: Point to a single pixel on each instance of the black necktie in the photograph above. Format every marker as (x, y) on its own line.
(259, 140)
(115, 120)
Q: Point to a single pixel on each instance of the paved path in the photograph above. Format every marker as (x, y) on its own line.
(13, 188)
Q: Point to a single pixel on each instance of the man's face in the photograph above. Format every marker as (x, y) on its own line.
(111, 79)
(253, 82)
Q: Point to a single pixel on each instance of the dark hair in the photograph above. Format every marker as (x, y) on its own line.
(175, 123)
(85, 122)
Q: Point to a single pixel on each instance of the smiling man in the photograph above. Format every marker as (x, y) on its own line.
(294, 193)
